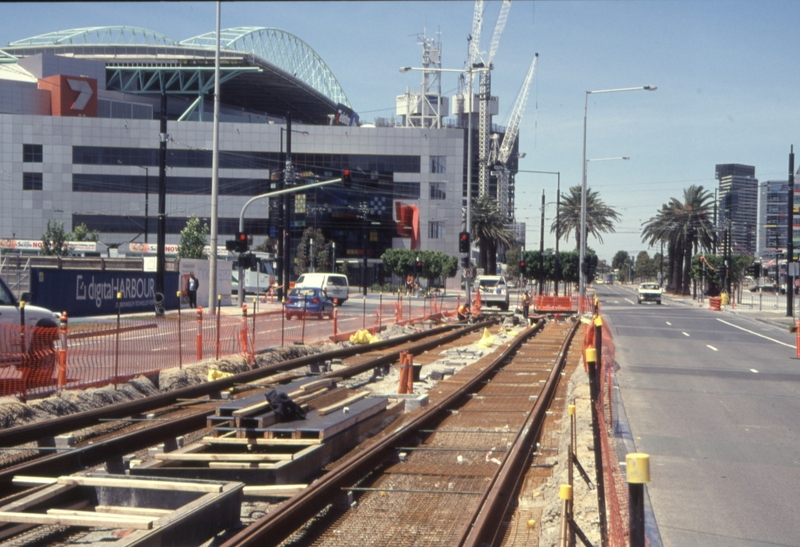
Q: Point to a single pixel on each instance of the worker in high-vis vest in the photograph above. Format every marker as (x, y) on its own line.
(463, 312)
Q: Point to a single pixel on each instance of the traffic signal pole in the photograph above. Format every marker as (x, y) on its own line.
(252, 200)
(790, 238)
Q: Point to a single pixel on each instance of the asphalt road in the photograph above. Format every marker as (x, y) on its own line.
(713, 399)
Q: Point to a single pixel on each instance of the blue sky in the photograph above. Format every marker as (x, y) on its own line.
(726, 71)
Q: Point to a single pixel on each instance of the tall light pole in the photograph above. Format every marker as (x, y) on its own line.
(582, 276)
(212, 270)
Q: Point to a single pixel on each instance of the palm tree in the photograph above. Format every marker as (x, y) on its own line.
(687, 227)
(488, 230)
(600, 218)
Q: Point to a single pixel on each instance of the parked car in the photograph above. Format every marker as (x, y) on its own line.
(32, 350)
(308, 302)
(765, 288)
(494, 291)
(335, 285)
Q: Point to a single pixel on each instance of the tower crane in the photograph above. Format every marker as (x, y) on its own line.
(485, 94)
(504, 152)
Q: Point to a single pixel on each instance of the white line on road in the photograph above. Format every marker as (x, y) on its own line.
(668, 323)
(754, 371)
(712, 347)
(757, 334)
(686, 334)
(630, 301)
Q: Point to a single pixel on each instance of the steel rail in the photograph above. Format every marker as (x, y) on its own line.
(95, 454)
(482, 528)
(29, 433)
(279, 524)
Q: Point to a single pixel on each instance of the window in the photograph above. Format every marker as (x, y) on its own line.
(406, 190)
(31, 181)
(438, 190)
(438, 164)
(436, 229)
(32, 153)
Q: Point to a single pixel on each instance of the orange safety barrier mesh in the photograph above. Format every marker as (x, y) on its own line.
(99, 353)
(616, 491)
(555, 303)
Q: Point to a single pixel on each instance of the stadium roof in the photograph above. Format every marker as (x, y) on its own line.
(269, 70)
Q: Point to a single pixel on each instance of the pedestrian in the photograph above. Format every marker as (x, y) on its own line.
(463, 312)
(191, 289)
(526, 305)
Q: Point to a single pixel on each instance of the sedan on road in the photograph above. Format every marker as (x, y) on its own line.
(308, 302)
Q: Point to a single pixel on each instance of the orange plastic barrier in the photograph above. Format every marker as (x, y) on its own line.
(715, 303)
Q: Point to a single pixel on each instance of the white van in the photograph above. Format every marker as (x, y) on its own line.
(335, 285)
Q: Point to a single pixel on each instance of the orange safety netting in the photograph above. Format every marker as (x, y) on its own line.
(616, 493)
(43, 360)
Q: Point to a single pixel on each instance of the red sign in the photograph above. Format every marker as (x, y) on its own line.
(71, 95)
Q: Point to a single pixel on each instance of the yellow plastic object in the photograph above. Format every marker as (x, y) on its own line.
(215, 374)
(486, 340)
(531, 523)
(565, 492)
(591, 355)
(638, 466)
(724, 298)
(364, 337)
(571, 410)
(598, 321)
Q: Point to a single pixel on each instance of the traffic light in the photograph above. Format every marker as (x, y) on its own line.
(418, 265)
(522, 266)
(463, 242)
(757, 269)
(585, 265)
(347, 178)
(240, 242)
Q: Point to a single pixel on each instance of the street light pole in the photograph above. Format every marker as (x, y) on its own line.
(582, 276)
(558, 210)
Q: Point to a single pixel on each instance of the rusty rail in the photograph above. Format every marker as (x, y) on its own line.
(289, 516)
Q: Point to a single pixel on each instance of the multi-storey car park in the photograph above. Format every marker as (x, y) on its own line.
(80, 135)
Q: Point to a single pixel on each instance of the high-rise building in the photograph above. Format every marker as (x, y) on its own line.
(772, 218)
(738, 207)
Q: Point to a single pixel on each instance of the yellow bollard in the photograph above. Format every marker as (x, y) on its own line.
(638, 472)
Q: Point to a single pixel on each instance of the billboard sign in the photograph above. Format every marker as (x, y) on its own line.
(86, 293)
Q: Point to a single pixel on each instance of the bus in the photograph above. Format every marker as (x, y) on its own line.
(259, 277)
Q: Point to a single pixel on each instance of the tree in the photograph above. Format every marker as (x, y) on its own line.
(194, 238)
(82, 233)
(266, 246)
(513, 256)
(646, 267)
(54, 239)
(686, 227)
(489, 230)
(435, 264)
(320, 252)
(600, 218)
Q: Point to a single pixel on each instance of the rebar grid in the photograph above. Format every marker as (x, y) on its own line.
(404, 518)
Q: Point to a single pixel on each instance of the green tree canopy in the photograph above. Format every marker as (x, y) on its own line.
(319, 251)
(194, 238)
(600, 218)
(54, 239)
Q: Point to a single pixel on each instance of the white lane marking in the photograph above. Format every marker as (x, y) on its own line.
(686, 334)
(754, 371)
(668, 323)
(756, 334)
(712, 347)
(630, 301)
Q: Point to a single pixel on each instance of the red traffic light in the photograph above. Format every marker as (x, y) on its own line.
(241, 236)
(346, 177)
(522, 265)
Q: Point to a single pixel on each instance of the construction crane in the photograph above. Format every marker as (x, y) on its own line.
(504, 152)
(487, 106)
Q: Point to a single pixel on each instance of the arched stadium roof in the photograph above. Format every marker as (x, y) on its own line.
(291, 76)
